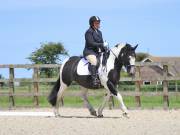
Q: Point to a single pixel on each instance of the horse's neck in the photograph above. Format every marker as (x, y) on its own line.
(116, 50)
(112, 62)
(118, 66)
(113, 59)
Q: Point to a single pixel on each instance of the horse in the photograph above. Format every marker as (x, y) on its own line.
(75, 68)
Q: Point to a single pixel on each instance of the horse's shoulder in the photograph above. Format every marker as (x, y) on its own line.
(113, 76)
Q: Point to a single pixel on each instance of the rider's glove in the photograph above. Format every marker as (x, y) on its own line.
(105, 43)
(104, 48)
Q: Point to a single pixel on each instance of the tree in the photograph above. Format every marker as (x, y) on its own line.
(140, 56)
(48, 53)
(1, 83)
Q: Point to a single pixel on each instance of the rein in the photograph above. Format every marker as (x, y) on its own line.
(113, 53)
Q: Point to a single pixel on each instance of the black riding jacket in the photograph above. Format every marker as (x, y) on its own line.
(94, 42)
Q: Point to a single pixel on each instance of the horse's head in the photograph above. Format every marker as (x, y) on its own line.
(127, 57)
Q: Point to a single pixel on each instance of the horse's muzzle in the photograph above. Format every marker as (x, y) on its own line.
(132, 70)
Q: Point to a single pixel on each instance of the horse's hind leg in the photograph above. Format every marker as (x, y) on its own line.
(100, 109)
(59, 98)
(86, 102)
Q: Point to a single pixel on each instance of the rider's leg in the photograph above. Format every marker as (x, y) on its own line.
(93, 60)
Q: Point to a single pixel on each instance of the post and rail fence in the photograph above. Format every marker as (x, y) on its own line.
(35, 80)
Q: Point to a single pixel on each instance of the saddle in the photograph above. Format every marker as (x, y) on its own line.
(83, 65)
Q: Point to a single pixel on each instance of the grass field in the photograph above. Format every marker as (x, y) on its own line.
(72, 101)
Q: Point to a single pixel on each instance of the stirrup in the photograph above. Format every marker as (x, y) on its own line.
(96, 82)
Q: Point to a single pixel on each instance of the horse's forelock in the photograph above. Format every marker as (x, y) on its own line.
(121, 48)
(128, 46)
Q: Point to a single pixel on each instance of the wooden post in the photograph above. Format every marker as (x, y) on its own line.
(11, 87)
(156, 86)
(137, 87)
(165, 87)
(176, 85)
(36, 86)
(176, 90)
(29, 88)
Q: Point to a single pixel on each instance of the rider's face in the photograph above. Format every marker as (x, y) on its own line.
(96, 24)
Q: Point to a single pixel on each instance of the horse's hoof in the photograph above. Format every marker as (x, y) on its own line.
(100, 116)
(57, 115)
(93, 113)
(125, 114)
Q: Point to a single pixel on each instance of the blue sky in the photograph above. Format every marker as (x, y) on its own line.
(154, 24)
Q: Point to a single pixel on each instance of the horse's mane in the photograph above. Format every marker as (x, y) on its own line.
(120, 45)
(117, 48)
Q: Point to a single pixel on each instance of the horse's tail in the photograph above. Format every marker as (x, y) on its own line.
(53, 94)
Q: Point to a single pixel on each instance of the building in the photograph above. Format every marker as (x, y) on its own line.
(148, 72)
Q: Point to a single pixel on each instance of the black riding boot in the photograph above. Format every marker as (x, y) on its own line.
(94, 76)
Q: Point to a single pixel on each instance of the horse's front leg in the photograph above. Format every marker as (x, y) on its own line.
(86, 102)
(116, 94)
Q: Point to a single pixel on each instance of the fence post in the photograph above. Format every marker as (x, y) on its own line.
(11, 87)
(165, 87)
(36, 86)
(137, 87)
(176, 90)
(176, 86)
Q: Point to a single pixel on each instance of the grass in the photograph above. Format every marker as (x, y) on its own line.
(96, 100)
(174, 102)
(151, 102)
(146, 102)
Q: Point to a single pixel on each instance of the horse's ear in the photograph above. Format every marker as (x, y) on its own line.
(116, 45)
(134, 48)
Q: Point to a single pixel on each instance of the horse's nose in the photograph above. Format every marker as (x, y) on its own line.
(132, 70)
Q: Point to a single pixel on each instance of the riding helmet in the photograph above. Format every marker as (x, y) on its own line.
(93, 19)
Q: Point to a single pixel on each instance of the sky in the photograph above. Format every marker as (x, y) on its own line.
(24, 24)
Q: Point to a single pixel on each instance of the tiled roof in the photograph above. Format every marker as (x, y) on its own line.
(157, 70)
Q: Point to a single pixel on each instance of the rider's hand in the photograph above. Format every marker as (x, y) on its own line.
(105, 43)
(104, 48)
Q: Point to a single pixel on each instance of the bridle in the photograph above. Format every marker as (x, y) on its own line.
(129, 65)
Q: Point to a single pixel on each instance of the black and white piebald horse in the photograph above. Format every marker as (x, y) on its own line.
(76, 69)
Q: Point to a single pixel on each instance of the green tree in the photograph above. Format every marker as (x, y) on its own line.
(1, 83)
(48, 53)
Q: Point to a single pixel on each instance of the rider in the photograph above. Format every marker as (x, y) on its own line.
(93, 46)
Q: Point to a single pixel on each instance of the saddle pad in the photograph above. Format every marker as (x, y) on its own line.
(82, 68)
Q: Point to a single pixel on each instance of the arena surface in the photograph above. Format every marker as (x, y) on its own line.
(77, 121)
